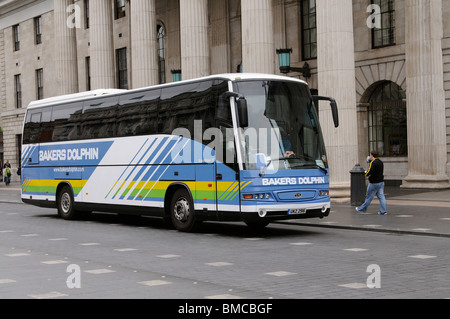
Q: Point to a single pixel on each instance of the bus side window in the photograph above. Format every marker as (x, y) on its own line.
(66, 120)
(175, 110)
(47, 126)
(99, 118)
(181, 106)
(223, 108)
(32, 128)
(38, 127)
(135, 116)
(204, 100)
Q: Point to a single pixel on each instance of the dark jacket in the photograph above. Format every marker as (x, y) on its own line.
(376, 171)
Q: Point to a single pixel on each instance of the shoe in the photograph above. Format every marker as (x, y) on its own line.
(382, 214)
(359, 211)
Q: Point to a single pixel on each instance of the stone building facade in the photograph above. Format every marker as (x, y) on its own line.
(387, 63)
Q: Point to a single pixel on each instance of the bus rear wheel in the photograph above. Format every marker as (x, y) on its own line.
(182, 211)
(65, 203)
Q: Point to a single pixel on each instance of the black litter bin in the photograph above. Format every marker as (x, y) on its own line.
(358, 185)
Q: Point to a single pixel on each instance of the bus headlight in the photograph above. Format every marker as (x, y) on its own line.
(324, 193)
(259, 196)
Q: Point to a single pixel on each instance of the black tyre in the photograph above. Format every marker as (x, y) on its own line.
(65, 203)
(182, 211)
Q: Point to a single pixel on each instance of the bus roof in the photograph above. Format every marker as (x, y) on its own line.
(252, 76)
(73, 97)
(102, 92)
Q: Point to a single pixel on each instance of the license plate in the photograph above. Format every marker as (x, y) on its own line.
(300, 211)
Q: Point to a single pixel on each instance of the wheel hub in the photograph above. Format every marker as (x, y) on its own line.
(65, 203)
(182, 210)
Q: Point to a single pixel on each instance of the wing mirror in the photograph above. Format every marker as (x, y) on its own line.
(333, 105)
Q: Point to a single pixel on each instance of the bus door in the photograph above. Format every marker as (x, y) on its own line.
(227, 177)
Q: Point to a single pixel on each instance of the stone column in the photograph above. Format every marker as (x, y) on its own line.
(102, 47)
(427, 151)
(65, 48)
(144, 55)
(195, 61)
(258, 50)
(220, 44)
(336, 78)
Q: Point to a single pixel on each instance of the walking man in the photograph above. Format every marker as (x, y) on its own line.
(376, 184)
(7, 167)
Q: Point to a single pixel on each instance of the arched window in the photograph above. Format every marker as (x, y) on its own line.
(387, 120)
(161, 54)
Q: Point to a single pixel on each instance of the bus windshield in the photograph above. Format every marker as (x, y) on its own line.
(284, 131)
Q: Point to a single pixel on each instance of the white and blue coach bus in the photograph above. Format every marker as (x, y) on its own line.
(233, 147)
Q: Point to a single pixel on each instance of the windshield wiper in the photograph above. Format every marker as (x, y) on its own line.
(263, 171)
(307, 164)
(290, 157)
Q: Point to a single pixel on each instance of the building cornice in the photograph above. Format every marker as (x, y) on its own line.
(16, 11)
(7, 6)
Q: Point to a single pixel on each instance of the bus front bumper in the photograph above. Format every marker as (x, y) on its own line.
(263, 215)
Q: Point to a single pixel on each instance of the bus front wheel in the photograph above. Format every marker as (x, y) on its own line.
(182, 211)
(66, 208)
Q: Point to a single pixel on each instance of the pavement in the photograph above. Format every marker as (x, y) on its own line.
(410, 212)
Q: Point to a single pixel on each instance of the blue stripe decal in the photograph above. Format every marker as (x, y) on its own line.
(163, 160)
(129, 165)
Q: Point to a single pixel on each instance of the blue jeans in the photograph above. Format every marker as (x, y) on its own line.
(372, 190)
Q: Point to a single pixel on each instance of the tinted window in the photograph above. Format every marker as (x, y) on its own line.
(32, 127)
(65, 119)
(146, 112)
(222, 108)
(47, 126)
(138, 114)
(38, 126)
(99, 118)
(182, 105)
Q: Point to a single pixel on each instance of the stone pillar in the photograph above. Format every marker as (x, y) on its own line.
(258, 50)
(144, 55)
(427, 151)
(195, 61)
(65, 48)
(336, 78)
(220, 44)
(102, 47)
(173, 43)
